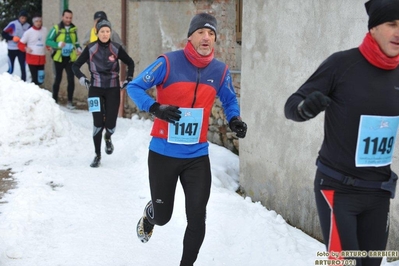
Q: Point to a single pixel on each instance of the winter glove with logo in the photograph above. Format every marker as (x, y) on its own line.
(313, 104)
(84, 82)
(238, 126)
(169, 113)
(124, 84)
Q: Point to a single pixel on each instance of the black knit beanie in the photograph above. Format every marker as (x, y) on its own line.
(103, 23)
(202, 20)
(381, 11)
(99, 15)
(22, 13)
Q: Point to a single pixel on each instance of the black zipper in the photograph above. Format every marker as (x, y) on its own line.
(196, 87)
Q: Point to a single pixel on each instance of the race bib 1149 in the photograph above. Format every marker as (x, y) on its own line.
(376, 140)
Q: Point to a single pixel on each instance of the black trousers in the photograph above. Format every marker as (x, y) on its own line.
(106, 118)
(12, 54)
(59, 67)
(195, 178)
(352, 220)
(34, 71)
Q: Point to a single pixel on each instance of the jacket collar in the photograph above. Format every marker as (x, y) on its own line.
(62, 26)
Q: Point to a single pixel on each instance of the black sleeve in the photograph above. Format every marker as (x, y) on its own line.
(291, 107)
(83, 58)
(323, 80)
(6, 36)
(125, 58)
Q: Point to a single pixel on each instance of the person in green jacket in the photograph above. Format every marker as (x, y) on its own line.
(63, 39)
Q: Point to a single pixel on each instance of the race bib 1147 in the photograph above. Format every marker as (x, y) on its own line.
(188, 129)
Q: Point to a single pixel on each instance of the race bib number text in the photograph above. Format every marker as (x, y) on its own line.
(188, 129)
(376, 140)
(94, 104)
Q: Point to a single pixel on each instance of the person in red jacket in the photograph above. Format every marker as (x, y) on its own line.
(33, 42)
(187, 81)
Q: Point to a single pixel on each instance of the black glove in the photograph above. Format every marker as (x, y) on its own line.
(169, 113)
(313, 104)
(127, 80)
(238, 126)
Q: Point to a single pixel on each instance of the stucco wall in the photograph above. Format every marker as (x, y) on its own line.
(153, 28)
(283, 44)
(83, 12)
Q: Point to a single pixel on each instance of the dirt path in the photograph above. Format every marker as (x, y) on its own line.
(6, 182)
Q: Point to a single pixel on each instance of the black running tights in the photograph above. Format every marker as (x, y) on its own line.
(12, 54)
(59, 67)
(353, 221)
(106, 118)
(34, 71)
(195, 177)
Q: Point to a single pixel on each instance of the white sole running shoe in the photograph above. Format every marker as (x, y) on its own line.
(144, 227)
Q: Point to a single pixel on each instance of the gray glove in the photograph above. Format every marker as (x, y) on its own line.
(84, 82)
(124, 84)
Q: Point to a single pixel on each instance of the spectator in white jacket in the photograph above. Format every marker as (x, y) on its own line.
(33, 43)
